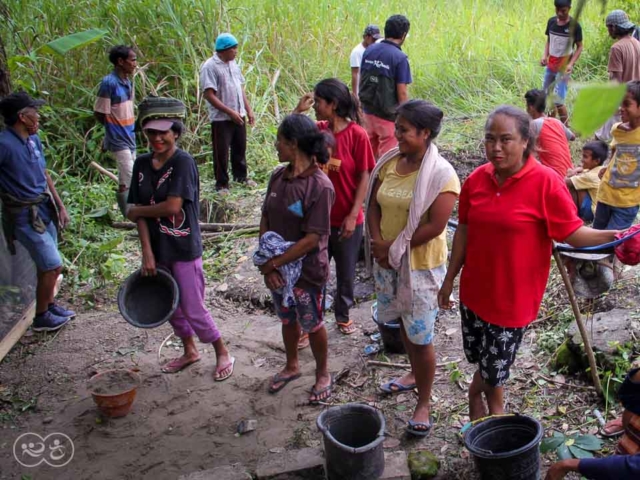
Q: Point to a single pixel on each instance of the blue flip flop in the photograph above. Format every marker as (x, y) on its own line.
(386, 388)
(424, 431)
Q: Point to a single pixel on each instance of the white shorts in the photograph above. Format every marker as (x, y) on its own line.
(420, 322)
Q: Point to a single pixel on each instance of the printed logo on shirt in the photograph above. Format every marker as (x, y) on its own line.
(296, 209)
(140, 178)
(626, 169)
(333, 165)
(34, 149)
(172, 226)
(377, 64)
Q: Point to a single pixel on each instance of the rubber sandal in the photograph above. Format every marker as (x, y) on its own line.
(317, 393)
(303, 342)
(386, 388)
(283, 380)
(229, 366)
(612, 429)
(423, 432)
(175, 369)
(346, 328)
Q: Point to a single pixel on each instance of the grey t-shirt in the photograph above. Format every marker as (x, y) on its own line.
(226, 80)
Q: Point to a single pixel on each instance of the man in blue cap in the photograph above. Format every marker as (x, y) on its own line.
(222, 84)
(32, 209)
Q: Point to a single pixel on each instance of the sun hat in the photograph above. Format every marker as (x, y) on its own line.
(161, 124)
(225, 41)
(619, 18)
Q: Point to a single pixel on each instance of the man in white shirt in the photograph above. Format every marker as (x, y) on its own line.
(370, 36)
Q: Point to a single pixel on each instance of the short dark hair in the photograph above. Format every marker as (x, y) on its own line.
(306, 134)
(523, 124)
(422, 115)
(396, 26)
(622, 32)
(633, 87)
(537, 99)
(562, 3)
(599, 150)
(119, 52)
(334, 91)
(178, 128)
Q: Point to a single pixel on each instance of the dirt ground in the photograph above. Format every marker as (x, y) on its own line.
(186, 422)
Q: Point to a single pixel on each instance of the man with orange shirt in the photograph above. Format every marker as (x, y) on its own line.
(552, 135)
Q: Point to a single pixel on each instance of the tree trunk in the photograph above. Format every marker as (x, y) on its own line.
(5, 79)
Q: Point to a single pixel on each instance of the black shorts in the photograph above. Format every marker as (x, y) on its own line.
(493, 348)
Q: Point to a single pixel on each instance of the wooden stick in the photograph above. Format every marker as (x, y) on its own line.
(572, 385)
(581, 327)
(104, 171)
(388, 364)
(205, 227)
(407, 365)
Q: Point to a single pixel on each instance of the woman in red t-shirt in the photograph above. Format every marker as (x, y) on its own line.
(348, 169)
(510, 211)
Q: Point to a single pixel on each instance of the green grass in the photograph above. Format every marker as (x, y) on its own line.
(467, 57)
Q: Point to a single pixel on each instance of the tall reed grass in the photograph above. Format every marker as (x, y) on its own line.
(467, 56)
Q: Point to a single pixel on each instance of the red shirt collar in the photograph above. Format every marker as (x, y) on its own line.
(529, 165)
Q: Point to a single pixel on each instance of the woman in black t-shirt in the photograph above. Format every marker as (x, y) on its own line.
(165, 191)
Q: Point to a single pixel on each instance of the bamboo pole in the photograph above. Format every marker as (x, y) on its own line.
(578, 316)
(104, 171)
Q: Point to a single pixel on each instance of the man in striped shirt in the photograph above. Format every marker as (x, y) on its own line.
(114, 109)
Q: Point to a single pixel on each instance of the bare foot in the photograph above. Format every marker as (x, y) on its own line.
(477, 408)
(177, 364)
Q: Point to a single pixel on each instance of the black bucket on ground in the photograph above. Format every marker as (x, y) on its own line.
(353, 436)
(506, 447)
(148, 302)
(389, 331)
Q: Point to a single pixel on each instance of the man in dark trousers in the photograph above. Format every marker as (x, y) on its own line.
(384, 77)
(31, 205)
(223, 85)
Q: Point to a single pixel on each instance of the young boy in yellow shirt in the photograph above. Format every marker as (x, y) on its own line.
(583, 182)
(619, 192)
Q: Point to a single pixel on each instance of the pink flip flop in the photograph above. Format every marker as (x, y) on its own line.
(226, 367)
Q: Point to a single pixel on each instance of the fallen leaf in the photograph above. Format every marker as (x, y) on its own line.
(223, 287)
(562, 410)
(450, 332)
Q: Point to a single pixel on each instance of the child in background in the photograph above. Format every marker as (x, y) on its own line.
(583, 181)
(563, 33)
(619, 192)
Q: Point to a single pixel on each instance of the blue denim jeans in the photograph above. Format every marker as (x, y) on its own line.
(562, 85)
(614, 218)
